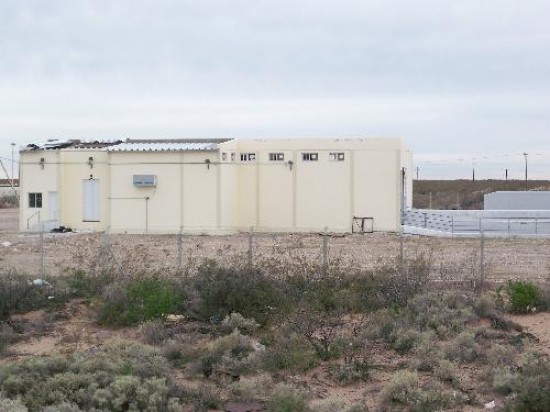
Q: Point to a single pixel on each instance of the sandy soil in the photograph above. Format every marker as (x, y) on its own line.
(78, 331)
(539, 325)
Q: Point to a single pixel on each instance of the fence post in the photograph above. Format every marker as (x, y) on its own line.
(251, 246)
(402, 252)
(482, 254)
(452, 224)
(325, 250)
(179, 239)
(42, 269)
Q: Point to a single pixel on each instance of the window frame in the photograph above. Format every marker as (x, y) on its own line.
(276, 157)
(248, 157)
(310, 156)
(336, 156)
(35, 200)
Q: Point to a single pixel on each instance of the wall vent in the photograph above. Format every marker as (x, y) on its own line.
(145, 180)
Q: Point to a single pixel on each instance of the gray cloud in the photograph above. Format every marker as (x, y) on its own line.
(448, 76)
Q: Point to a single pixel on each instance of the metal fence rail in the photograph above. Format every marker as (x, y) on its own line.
(454, 258)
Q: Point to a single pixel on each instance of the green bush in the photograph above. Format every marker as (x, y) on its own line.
(224, 291)
(524, 296)
(121, 376)
(138, 301)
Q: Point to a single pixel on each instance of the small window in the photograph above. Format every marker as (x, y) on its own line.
(336, 156)
(276, 157)
(35, 200)
(232, 157)
(224, 157)
(248, 157)
(310, 157)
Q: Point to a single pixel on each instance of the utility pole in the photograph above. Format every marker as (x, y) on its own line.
(525, 155)
(506, 175)
(473, 169)
(12, 175)
(417, 170)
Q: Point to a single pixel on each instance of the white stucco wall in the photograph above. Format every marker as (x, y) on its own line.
(228, 195)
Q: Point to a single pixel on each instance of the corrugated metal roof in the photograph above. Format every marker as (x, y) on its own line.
(162, 147)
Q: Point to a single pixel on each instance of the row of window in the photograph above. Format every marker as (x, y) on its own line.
(280, 157)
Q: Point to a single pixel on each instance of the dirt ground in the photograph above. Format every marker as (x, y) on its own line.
(78, 331)
(450, 258)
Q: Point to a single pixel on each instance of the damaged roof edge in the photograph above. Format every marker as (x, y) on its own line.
(129, 144)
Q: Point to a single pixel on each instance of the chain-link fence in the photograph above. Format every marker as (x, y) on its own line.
(475, 259)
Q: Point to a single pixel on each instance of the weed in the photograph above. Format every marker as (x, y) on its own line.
(287, 399)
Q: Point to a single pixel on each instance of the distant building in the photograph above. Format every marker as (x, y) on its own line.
(216, 186)
(510, 200)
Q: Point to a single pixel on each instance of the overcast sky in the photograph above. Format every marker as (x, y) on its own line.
(457, 80)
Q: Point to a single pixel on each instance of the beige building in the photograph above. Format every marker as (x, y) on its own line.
(216, 186)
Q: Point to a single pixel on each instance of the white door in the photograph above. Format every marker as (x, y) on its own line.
(90, 201)
(52, 205)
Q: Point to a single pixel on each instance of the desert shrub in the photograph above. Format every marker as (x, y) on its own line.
(18, 294)
(224, 291)
(382, 326)
(138, 301)
(153, 332)
(531, 386)
(7, 336)
(351, 372)
(120, 376)
(401, 389)
(502, 379)
(427, 352)
(246, 326)
(446, 371)
(12, 405)
(404, 392)
(252, 388)
(500, 355)
(205, 398)
(389, 285)
(287, 399)
(225, 357)
(485, 304)
(523, 296)
(84, 285)
(288, 351)
(323, 331)
(328, 405)
(404, 340)
(464, 348)
(444, 312)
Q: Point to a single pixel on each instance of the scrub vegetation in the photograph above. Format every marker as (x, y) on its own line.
(288, 336)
